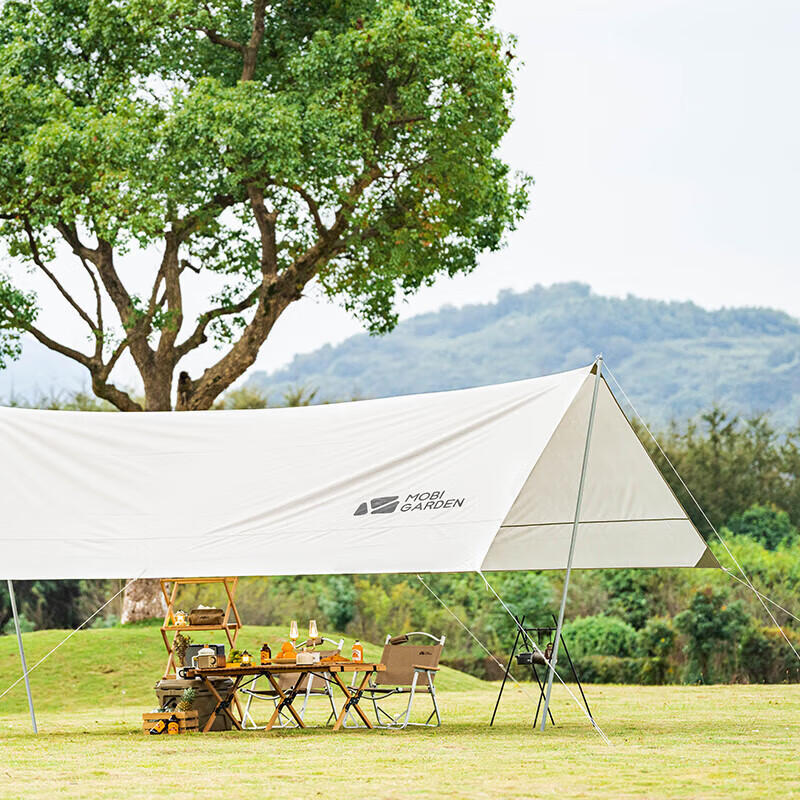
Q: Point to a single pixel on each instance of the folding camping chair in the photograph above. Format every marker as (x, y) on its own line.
(410, 670)
(310, 686)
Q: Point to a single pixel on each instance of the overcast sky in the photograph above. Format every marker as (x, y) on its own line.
(663, 138)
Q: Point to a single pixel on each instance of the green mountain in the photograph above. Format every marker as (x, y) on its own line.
(672, 358)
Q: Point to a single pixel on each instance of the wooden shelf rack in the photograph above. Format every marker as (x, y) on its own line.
(231, 621)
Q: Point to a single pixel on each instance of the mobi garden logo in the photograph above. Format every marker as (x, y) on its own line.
(421, 501)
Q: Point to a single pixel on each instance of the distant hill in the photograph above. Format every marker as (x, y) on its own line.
(672, 358)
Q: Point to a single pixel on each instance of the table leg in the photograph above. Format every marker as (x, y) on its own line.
(222, 705)
(285, 701)
(351, 700)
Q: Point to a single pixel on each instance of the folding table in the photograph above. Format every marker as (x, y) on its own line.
(329, 671)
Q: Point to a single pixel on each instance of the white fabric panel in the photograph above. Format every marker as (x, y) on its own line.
(274, 491)
(662, 543)
(629, 515)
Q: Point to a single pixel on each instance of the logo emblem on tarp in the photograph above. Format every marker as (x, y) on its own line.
(379, 505)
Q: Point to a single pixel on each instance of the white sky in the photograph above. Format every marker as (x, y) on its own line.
(662, 135)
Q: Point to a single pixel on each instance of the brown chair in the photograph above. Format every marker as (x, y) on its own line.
(411, 667)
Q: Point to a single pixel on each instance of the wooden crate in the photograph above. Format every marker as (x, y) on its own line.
(187, 720)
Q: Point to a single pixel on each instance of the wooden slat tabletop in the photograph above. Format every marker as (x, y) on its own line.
(230, 671)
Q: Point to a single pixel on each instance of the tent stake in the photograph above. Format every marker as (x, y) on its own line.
(22, 653)
(554, 656)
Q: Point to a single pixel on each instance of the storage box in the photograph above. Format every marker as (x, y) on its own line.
(169, 690)
(187, 720)
(206, 616)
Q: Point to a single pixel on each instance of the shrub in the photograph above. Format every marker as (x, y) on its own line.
(604, 669)
(768, 525)
(712, 628)
(600, 636)
(765, 657)
(25, 626)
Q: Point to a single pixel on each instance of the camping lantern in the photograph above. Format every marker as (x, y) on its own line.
(181, 619)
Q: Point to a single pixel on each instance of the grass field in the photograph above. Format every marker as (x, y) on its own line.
(676, 742)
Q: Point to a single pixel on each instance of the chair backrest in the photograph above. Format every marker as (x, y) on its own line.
(400, 660)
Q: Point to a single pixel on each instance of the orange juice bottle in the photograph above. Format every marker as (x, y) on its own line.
(358, 651)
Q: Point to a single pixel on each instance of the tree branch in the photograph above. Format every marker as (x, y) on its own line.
(275, 293)
(256, 37)
(199, 337)
(185, 227)
(108, 368)
(121, 400)
(99, 306)
(44, 339)
(265, 220)
(37, 259)
(313, 207)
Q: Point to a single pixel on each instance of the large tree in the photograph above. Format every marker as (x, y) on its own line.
(351, 143)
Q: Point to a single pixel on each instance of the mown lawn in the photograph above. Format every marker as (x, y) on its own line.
(676, 742)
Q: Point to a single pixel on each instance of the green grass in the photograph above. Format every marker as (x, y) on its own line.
(118, 667)
(678, 742)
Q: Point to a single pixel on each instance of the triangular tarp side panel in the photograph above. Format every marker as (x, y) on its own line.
(629, 518)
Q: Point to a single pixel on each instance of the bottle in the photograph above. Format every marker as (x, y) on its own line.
(158, 728)
(173, 726)
(358, 651)
(266, 654)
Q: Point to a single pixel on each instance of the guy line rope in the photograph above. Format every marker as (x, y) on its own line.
(528, 639)
(747, 582)
(83, 624)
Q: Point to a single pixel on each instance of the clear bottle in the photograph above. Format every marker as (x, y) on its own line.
(358, 651)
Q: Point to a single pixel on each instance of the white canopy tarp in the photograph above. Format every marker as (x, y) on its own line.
(477, 479)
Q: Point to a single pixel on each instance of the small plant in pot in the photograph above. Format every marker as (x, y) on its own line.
(179, 648)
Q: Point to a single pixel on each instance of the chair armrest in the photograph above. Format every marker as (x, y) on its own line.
(425, 669)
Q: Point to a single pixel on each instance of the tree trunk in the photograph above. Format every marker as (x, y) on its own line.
(143, 600)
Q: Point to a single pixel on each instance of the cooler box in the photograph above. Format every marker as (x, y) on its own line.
(171, 689)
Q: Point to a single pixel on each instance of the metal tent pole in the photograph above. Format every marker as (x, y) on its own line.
(22, 653)
(554, 656)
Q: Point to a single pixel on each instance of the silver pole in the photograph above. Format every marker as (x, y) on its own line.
(22, 653)
(556, 641)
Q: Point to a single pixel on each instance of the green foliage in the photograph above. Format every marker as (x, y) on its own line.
(628, 594)
(657, 638)
(766, 524)
(601, 635)
(25, 625)
(354, 144)
(337, 601)
(712, 628)
(732, 465)
(241, 398)
(764, 656)
(46, 604)
(605, 669)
